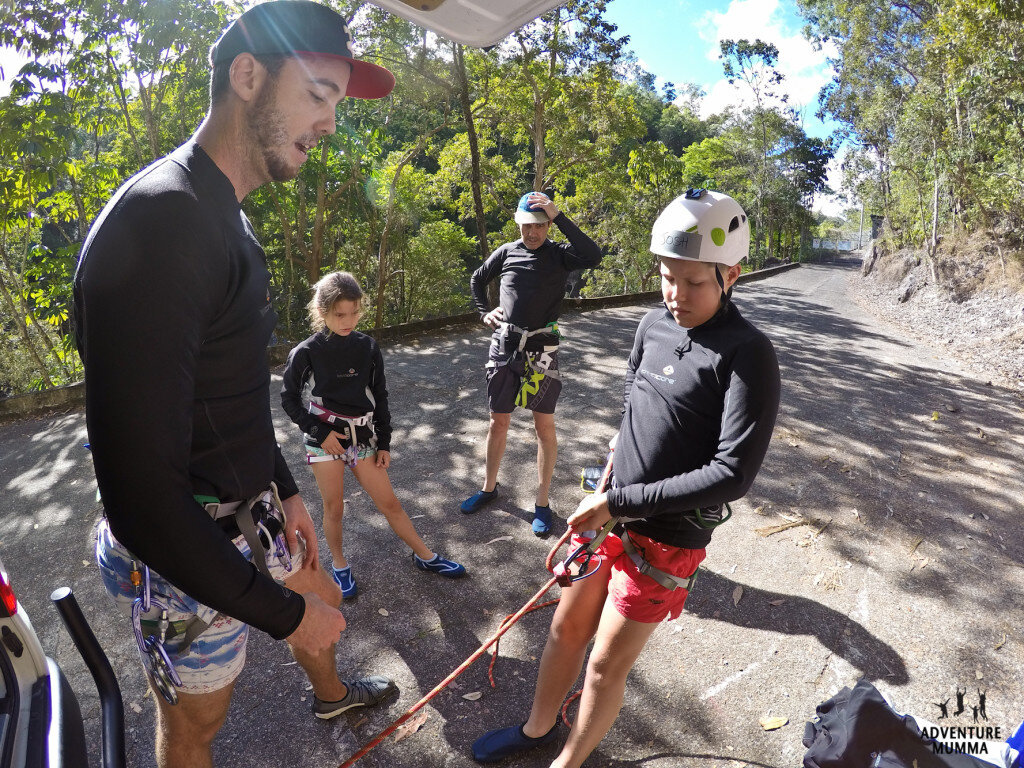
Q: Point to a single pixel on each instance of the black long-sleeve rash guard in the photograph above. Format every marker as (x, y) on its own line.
(700, 407)
(533, 282)
(346, 375)
(173, 316)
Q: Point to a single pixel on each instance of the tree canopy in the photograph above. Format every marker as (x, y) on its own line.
(930, 93)
(413, 191)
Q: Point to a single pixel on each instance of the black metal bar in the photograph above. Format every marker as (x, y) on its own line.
(111, 706)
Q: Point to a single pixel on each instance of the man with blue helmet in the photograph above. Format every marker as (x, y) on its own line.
(522, 365)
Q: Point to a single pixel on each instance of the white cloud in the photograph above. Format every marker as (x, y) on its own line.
(805, 69)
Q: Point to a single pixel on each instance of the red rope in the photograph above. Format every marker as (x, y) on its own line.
(565, 708)
(505, 626)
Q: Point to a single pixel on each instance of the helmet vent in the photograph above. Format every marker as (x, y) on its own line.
(735, 223)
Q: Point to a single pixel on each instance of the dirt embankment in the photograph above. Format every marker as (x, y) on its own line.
(970, 300)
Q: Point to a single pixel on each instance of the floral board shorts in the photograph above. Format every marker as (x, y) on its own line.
(362, 451)
(216, 657)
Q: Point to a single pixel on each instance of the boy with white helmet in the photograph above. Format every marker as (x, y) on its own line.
(701, 397)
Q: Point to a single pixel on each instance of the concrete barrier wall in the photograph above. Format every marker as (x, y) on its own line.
(73, 395)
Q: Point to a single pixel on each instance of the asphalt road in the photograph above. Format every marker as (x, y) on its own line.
(902, 470)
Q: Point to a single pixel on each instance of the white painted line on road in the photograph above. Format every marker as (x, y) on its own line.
(716, 689)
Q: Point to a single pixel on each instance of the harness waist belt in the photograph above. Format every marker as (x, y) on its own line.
(348, 425)
(667, 580)
(250, 519)
(505, 329)
(326, 414)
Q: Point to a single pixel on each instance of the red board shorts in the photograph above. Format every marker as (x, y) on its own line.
(636, 596)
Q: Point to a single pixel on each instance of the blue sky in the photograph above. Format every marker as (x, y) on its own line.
(678, 41)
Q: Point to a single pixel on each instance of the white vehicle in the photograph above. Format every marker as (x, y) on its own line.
(40, 720)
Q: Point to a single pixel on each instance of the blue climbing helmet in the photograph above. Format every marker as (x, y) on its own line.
(530, 214)
(701, 225)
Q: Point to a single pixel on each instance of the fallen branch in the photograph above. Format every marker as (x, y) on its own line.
(773, 529)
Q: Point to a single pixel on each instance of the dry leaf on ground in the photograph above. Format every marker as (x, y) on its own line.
(771, 723)
(410, 726)
(737, 594)
(472, 695)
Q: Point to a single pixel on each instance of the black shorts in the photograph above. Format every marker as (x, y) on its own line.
(527, 379)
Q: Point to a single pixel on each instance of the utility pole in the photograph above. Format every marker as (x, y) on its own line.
(860, 234)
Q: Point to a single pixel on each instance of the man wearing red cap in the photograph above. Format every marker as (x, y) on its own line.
(204, 531)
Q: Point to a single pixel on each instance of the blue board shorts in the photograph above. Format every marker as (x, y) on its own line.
(215, 658)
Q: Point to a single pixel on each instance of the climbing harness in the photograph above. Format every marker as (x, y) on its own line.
(348, 425)
(667, 580)
(535, 364)
(505, 330)
(263, 526)
(263, 534)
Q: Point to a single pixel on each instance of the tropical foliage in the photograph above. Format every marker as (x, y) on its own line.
(413, 191)
(930, 94)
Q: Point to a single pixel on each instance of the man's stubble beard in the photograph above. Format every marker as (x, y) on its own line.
(268, 135)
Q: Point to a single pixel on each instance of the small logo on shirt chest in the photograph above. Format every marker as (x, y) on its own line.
(658, 376)
(351, 372)
(668, 370)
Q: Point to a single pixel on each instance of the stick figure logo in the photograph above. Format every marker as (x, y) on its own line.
(977, 710)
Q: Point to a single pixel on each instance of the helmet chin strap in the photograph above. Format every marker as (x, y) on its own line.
(726, 294)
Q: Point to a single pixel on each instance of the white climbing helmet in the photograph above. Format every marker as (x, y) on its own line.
(701, 225)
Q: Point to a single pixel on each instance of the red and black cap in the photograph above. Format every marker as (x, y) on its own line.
(301, 28)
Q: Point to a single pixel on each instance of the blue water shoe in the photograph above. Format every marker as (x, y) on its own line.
(343, 578)
(503, 742)
(478, 501)
(440, 565)
(541, 521)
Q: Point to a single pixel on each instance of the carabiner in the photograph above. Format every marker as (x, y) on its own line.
(588, 550)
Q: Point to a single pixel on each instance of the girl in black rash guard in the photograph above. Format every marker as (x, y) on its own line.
(347, 421)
